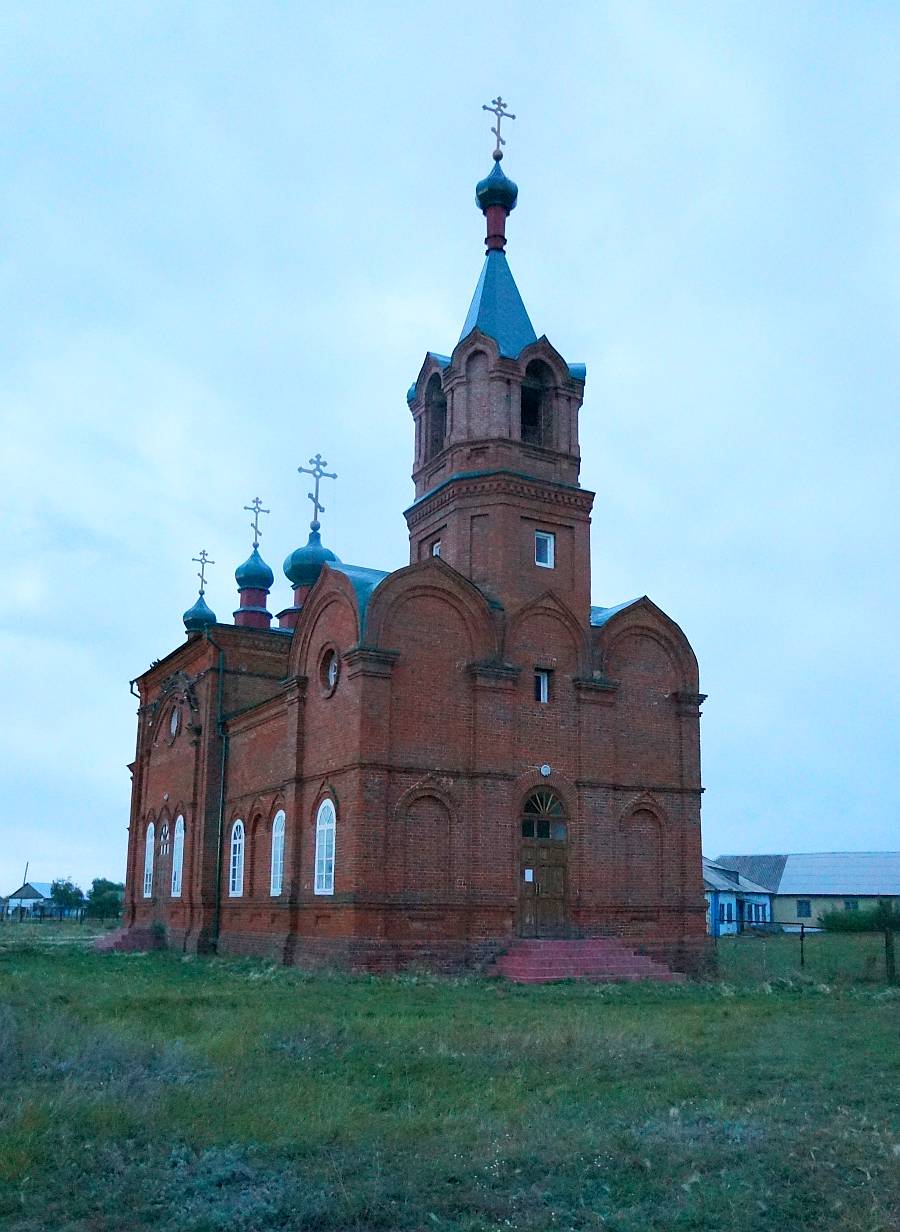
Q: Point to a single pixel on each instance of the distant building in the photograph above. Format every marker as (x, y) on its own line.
(733, 902)
(807, 886)
(30, 898)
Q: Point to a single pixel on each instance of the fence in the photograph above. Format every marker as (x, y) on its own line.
(824, 956)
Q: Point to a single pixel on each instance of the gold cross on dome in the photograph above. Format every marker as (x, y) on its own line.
(202, 560)
(255, 507)
(500, 110)
(318, 472)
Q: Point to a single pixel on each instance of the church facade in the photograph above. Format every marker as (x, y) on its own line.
(422, 766)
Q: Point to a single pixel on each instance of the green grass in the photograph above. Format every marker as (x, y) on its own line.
(145, 1092)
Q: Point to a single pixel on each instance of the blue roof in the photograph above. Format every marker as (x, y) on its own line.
(497, 308)
(600, 615)
(364, 582)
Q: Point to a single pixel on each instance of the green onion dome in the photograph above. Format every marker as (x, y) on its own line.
(199, 617)
(303, 566)
(254, 573)
(496, 189)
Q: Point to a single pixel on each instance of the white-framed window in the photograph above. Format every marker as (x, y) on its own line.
(325, 826)
(436, 548)
(541, 685)
(177, 856)
(545, 549)
(149, 843)
(236, 865)
(277, 878)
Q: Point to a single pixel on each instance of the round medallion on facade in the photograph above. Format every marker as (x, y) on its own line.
(329, 670)
(546, 771)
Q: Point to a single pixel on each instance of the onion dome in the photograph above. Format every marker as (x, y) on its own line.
(496, 189)
(254, 573)
(303, 566)
(199, 617)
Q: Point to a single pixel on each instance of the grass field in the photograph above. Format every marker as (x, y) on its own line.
(145, 1092)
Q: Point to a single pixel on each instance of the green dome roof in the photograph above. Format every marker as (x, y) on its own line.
(254, 573)
(496, 189)
(199, 617)
(303, 566)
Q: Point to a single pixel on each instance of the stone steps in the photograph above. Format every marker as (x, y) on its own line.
(595, 958)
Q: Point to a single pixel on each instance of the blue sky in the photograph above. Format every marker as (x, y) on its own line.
(231, 232)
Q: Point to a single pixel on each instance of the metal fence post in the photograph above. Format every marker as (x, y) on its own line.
(802, 953)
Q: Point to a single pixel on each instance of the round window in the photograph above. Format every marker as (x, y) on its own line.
(331, 669)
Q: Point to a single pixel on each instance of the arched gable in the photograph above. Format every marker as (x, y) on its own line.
(331, 602)
(432, 578)
(644, 619)
(544, 351)
(549, 609)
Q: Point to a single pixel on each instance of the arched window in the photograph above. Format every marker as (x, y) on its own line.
(537, 407)
(277, 853)
(236, 866)
(544, 817)
(149, 843)
(435, 417)
(177, 856)
(325, 825)
(164, 839)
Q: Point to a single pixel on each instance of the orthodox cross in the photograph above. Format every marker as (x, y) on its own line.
(499, 109)
(256, 509)
(318, 472)
(202, 560)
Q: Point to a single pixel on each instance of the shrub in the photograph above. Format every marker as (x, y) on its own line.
(876, 919)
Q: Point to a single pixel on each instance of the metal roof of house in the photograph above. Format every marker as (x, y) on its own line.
(33, 889)
(715, 877)
(864, 873)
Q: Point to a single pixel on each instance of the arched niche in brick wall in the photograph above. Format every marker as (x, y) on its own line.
(641, 853)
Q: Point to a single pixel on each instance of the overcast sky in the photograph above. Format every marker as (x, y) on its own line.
(231, 231)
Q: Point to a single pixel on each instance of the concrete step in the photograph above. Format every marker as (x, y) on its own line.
(532, 961)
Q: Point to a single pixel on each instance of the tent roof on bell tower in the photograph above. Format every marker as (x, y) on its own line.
(497, 308)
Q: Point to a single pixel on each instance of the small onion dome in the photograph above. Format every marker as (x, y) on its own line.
(303, 566)
(199, 617)
(254, 573)
(496, 189)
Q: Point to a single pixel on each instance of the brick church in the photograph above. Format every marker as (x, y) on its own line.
(427, 765)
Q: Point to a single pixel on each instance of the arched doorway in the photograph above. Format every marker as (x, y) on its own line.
(542, 866)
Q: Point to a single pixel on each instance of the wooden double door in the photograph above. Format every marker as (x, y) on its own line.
(542, 889)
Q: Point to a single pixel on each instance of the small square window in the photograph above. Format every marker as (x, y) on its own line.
(804, 909)
(544, 549)
(541, 686)
(851, 904)
(436, 548)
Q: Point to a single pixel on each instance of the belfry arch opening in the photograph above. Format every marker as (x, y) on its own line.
(435, 417)
(537, 427)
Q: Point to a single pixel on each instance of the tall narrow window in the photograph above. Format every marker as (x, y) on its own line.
(164, 839)
(177, 856)
(236, 866)
(277, 854)
(325, 825)
(545, 549)
(537, 413)
(149, 842)
(541, 686)
(435, 417)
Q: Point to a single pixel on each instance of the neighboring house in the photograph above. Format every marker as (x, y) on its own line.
(30, 898)
(733, 902)
(808, 885)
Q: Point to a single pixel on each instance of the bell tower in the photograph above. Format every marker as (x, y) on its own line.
(496, 445)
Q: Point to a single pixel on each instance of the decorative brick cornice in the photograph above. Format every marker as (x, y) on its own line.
(596, 689)
(689, 703)
(494, 675)
(477, 485)
(369, 661)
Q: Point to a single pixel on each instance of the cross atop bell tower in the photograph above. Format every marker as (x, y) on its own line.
(497, 457)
